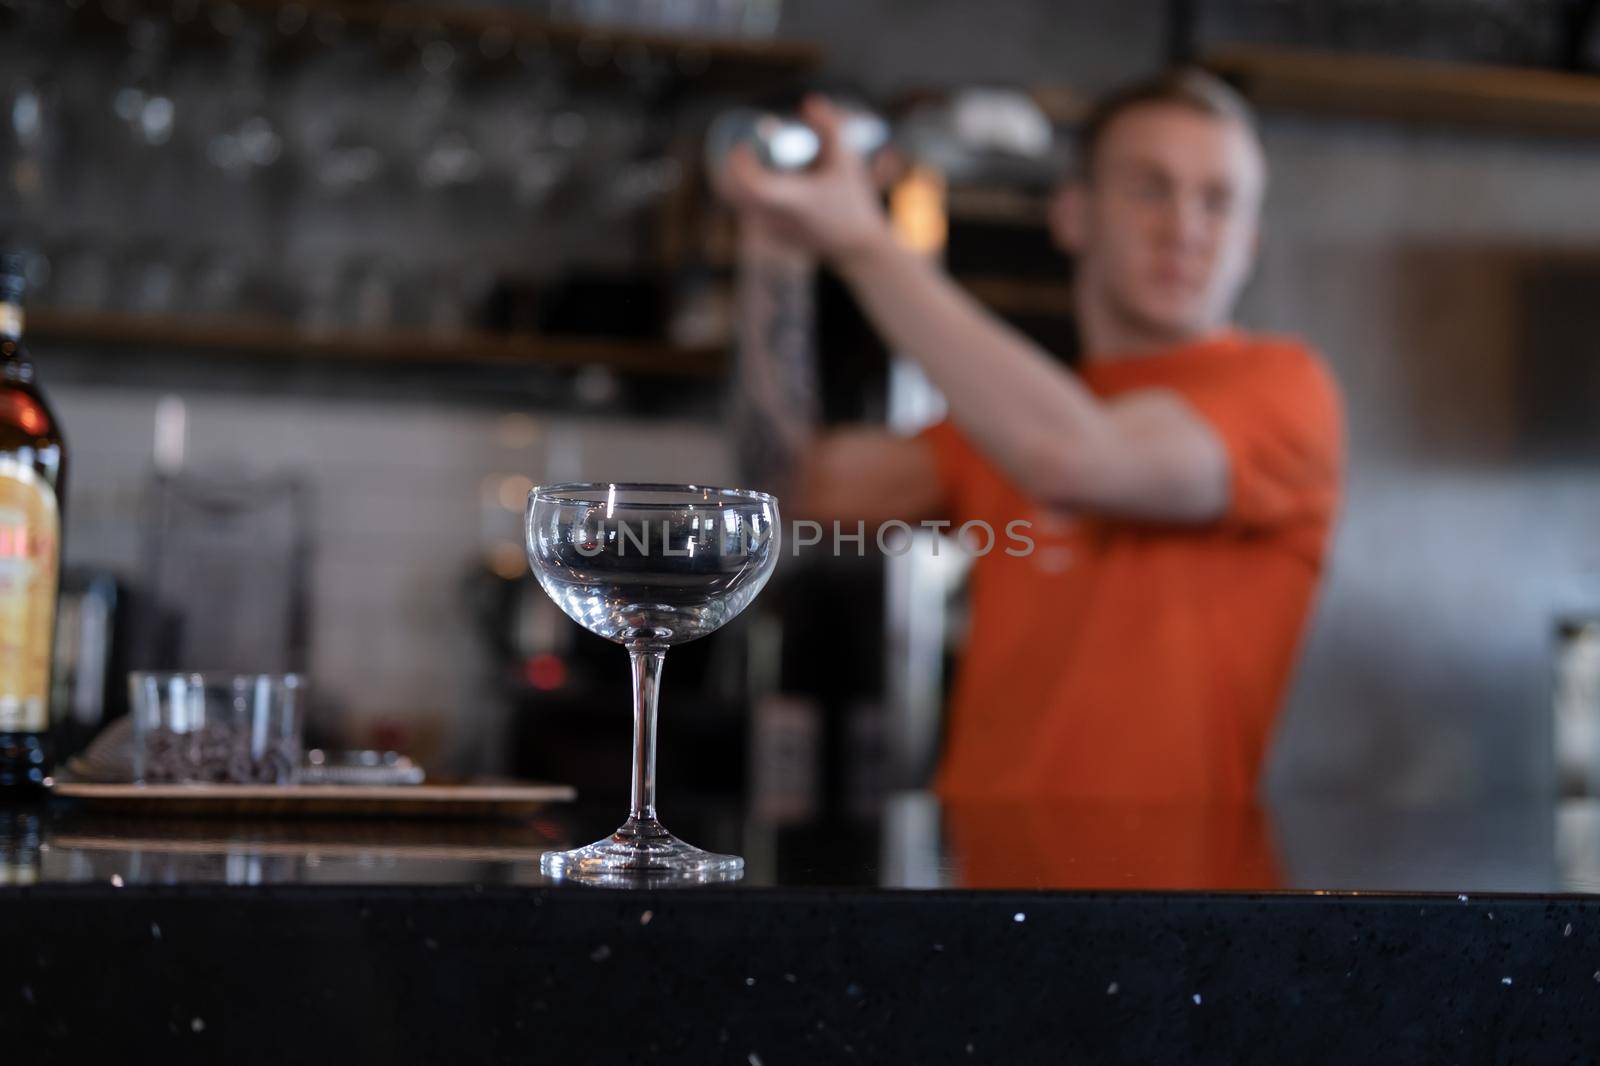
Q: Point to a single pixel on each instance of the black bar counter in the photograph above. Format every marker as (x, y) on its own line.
(1304, 933)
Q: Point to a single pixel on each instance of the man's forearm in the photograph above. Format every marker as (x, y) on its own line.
(775, 404)
(1010, 397)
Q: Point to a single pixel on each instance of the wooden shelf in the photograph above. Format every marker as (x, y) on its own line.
(998, 206)
(1020, 296)
(1527, 100)
(227, 335)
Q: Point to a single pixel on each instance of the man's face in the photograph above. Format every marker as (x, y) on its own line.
(1165, 227)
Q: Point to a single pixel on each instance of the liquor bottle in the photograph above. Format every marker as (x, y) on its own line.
(33, 460)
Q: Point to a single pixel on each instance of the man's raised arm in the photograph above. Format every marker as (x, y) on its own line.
(859, 473)
(1145, 455)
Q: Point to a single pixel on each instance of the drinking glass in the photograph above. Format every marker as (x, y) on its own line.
(648, 566)
(244, 729)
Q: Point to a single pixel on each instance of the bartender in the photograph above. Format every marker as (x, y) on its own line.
(1180, 484)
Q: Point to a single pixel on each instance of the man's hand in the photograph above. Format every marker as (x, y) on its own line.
(831, 209)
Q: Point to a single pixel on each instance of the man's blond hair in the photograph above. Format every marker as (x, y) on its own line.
(1189, 87)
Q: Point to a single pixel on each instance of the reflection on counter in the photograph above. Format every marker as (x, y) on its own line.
(217, 851)
(914, 843)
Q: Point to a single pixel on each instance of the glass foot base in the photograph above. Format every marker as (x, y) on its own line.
(641, 852)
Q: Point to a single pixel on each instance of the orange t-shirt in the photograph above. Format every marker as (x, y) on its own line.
(1089, 845)
(1139, 661)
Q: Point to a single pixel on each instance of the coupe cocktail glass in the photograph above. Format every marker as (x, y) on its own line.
(649, 566)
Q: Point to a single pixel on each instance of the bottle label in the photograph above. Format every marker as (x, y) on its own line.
(29, 561)
(10, 320)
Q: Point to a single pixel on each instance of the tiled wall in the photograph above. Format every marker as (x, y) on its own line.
(405, 501)
(1396, 251)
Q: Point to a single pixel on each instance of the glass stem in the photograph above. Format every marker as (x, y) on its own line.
(647, 663)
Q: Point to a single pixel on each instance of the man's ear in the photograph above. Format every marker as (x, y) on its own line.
(1069, 216)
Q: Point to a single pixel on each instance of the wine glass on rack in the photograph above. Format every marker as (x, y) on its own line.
(648, 566)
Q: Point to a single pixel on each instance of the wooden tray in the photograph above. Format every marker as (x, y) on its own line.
(344, 801)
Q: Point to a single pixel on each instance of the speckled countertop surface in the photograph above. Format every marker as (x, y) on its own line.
(1317, 932)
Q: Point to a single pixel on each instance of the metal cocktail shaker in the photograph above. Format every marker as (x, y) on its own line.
(784, 142)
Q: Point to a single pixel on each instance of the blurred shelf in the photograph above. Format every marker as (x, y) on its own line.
(229, 335)
(684, 57)
(692, 55)
(1413, 90)
(998, 206)
(1018, 296)
(1063, 105)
